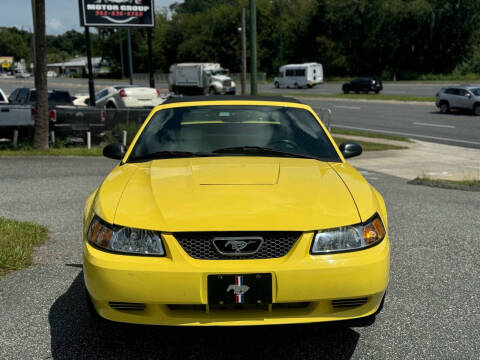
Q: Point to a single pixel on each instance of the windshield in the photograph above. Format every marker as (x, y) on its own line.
(234, 130)
(475, 91)
(220, 72)
(54, 97)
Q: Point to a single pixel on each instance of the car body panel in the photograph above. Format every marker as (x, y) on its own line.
(138, 97)
(167, 195)
(235, 193)
(458, 97)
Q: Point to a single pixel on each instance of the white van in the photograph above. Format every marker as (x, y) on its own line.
(299, 75)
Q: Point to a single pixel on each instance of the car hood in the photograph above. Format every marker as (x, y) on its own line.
(232, 194)
(220, 78)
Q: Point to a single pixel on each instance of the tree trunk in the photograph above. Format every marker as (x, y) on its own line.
(41, 109)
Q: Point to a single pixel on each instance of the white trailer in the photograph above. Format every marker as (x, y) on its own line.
(299, 75)
(200, 78)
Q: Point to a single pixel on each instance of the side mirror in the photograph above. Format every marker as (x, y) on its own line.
(350, 149)
(468, 95)
(114, 151)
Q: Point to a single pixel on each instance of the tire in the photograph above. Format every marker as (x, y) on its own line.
(296, 86)
(212, 91)
(309, 86)
(365, 91)
(277, 85)
(110, 105)
(476, 110)
(377, 91)
(444, 107)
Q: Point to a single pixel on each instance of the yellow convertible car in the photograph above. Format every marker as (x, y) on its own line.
(234, 211)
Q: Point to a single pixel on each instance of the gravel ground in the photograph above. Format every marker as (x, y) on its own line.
(431, 310)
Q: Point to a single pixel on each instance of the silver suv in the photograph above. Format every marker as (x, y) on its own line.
(459, 97)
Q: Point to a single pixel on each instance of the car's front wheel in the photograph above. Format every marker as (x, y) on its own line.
(476, 109)
(444, 107)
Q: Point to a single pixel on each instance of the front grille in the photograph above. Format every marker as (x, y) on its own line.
(348, 303)
(199, 245)
(203, 308)
(227, 83)
(126, 306)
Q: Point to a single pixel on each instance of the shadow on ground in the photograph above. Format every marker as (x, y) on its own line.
(73, 336)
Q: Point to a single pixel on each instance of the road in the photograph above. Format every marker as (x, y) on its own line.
(420, 121)
(76, 86)
(417, 121)
(431, 311)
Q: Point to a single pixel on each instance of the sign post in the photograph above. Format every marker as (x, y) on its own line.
(91, 85)
(116, 14)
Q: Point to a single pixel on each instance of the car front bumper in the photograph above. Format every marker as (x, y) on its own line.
(173, 289)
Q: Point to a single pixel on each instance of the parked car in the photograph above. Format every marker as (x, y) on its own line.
(234, 211)
(363, 84)
(81, 100)
(128, 96)
(299, 75)
(23, 75)
(64, 118)
(466, 97)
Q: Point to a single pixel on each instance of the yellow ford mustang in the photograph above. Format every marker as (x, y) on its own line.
(234, 212)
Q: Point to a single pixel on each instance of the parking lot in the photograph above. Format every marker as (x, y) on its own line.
(431, 310)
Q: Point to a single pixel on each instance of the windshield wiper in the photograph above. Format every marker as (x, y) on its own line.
(259, 150)
(166, 154)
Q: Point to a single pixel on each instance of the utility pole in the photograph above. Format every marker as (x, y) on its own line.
(91, 86)
(129, 50)
(120, 38)
(244, 53)
(150, 67)
(281, 34)
(253, 48)
(41, 108)
(33, 33)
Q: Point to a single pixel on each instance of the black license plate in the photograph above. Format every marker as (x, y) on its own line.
(239, 289)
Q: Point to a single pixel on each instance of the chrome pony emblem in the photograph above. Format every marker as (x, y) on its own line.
(239, 289)
(238, 246)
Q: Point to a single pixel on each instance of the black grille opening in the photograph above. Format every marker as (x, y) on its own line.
(349, 303)
(126, 306)
(276, 306)
(199, 245)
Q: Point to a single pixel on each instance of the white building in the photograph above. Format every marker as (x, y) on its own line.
(78, 66)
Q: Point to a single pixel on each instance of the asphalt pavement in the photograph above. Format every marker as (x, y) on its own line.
(411, 88)
(417, 120)
(431, 311)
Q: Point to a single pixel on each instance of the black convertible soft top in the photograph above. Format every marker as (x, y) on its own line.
(181, 99)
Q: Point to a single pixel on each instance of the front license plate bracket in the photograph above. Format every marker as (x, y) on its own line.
(226, 289)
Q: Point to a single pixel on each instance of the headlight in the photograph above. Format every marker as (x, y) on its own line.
(349, 238)
(124, 240)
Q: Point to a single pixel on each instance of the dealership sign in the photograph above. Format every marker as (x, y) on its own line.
(117, 13)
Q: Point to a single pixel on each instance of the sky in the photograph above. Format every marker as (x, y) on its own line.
(62, 15)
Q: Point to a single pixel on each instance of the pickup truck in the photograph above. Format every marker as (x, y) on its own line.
(64, 117)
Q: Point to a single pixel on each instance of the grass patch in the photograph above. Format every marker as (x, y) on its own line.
(369, 146)
(468, 184)
(370, 135)
(388, 97)
(65, 151)
(17, 242)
